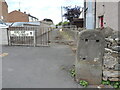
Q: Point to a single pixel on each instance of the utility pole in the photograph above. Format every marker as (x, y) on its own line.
(84, 13)
(95, 15)
(19, 6)
(62, 13)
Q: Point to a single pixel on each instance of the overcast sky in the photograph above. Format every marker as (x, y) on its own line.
(43, 8)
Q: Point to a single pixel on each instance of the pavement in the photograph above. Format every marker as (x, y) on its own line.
(37, 67)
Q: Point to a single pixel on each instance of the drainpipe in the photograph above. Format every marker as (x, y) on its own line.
(95, 16)
(84, 13)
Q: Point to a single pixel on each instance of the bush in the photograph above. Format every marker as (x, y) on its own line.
(115, 84)
(83, 83)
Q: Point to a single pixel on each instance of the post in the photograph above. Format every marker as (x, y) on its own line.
(89, 59)
(95, 14)
(34, 38)
(61, 13)
(9, 39)
(8, 36)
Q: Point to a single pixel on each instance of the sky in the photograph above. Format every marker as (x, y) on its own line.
(42, 9)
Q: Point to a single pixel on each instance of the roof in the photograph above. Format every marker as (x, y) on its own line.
(19, 24)
(3, 24)
(23, 13)
(17, 11)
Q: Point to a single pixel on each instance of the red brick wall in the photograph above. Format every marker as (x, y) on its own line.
(4, 10)
(0, 9)
(17, 16)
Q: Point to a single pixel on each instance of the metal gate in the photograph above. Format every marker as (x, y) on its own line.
(29, 36)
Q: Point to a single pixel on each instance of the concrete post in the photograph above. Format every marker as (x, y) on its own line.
(89, 59)
(35, 37)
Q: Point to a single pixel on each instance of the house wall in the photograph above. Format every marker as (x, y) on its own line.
(90, 15)
(110, 12)
(3, 10)
(17, 16)
(119, 16)
(0, 9)
(3, 37)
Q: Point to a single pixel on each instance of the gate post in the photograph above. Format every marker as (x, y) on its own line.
(89, 59)
(35, 38)
(8, 34)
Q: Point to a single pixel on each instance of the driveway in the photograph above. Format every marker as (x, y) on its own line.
(37, 67)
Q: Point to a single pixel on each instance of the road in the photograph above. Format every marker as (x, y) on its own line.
(37, 67)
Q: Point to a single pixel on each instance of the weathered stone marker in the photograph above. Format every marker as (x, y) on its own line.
(89, 59)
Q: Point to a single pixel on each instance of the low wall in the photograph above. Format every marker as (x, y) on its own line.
(111, 70)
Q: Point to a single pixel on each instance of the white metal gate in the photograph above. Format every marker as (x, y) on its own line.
(29, 36)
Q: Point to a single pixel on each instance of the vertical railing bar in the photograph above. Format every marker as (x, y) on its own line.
(48, 36)
(42, 36)
(34, 38)
(8, 36)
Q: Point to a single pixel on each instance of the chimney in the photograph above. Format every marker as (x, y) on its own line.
(19, 10)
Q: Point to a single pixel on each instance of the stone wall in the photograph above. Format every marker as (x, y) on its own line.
(111, 69)
(110, 59)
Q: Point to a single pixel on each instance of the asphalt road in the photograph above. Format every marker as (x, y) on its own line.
(37, 67)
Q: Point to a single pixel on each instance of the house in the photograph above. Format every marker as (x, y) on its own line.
(32, 18)
(22, 24)
(48, 20)
(3, 10)
(18, 16)
(78, 22)
(99, 14)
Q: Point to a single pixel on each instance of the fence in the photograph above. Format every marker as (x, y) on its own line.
(29, 35)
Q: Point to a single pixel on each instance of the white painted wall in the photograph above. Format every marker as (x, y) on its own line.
(110, 12)
(90, 15)
(3, 37)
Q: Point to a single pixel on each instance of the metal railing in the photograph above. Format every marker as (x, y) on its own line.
(29, 35)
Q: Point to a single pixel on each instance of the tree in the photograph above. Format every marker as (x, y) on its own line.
(65, 23)
(59, 24)
(72, 13)
(48, 20)
(62, 23)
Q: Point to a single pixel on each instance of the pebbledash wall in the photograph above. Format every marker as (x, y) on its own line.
(3, 10)
(109, 9)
